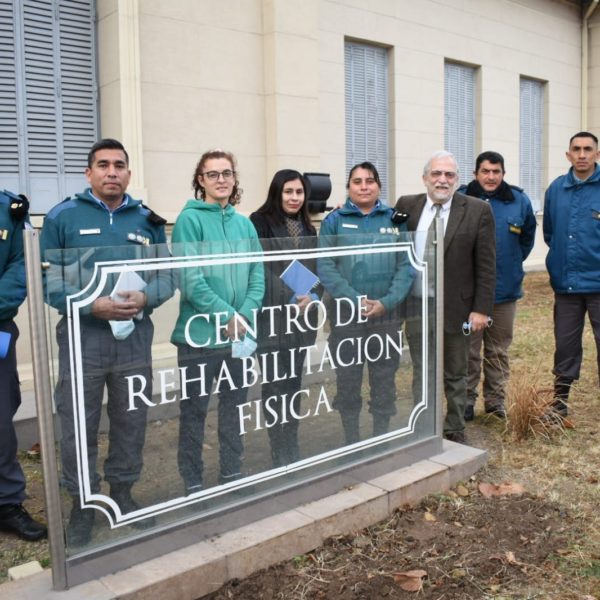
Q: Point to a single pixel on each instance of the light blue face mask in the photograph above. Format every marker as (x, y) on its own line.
(243, 348)
(122, 329)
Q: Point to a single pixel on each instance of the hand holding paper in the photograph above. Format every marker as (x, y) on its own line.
(129, 288)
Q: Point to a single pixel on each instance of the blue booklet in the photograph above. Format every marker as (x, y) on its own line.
(298, 278)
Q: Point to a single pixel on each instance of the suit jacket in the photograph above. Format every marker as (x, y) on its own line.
(469, 256)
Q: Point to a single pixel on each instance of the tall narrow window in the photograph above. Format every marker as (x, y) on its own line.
(366, 90)
(48, 98)
(531, 140)
(459, 112)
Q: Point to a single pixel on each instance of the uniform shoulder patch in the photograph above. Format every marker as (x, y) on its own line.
(19, 206)
(153, 217)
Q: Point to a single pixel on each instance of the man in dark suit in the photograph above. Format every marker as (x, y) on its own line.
(469, 277)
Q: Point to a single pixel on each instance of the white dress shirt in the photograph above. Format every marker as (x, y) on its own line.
(427, 216)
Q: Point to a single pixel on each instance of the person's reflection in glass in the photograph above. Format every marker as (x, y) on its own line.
(283, 223)
(217, 304)
(367, 290)
(104, 223)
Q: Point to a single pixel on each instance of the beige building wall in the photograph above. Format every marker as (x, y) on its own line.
(265, 78)
(506, 40)
(594, 74)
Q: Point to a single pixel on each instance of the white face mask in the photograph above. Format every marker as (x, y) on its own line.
(243, 348)
(122, 329)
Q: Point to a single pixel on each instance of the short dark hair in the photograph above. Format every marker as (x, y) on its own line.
(272, 208)
(236, 192)
(368, 166)
(494, 157)
(584, 134)
(106, 144)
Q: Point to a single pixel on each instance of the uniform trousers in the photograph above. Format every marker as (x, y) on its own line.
(12, 480)
(496, 341)
(344, 342)
(569, 318)
(106, 364)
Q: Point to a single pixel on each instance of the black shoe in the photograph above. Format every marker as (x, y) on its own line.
(223, 479)
(469, 412)
(192, 488)
(81, 523)
(121, 494)
(456, 436)
(497, 411)
(14, 517)
(559, 407)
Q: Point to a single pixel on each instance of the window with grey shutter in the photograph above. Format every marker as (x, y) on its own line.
(460, 118)
(9, 130)
(48, 105)
(367, 106)
(531, 136)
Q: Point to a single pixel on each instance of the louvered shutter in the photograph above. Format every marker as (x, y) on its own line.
(531, 121)
(78, 88)
(459, 111)
(9, 139)
(54, 97)
(367, 106)
(42, 118)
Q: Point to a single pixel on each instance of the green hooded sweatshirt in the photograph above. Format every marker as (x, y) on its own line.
(212, 293)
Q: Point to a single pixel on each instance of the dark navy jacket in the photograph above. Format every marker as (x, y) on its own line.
(515, 237)
(572, 231)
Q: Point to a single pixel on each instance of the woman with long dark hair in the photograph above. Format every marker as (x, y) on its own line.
(283, 223)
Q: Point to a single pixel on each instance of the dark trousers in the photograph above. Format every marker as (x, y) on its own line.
(193, 411)
(569, 318)
(382, 373)
(283, 437)
(12, 480)
(456, 347)
(106, 362)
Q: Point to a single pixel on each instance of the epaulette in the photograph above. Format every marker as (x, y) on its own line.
(515, 187)
(153, 217)
(19, 207)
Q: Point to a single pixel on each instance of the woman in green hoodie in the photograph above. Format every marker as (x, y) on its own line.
(218, 301)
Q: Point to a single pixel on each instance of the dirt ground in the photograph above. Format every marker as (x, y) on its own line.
(541, 543)
(465, 547)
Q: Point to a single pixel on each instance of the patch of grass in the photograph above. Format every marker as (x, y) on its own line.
(300, 561)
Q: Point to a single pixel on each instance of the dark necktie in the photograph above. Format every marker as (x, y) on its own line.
(437, 207)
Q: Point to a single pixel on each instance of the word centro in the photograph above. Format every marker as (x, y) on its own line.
(295, 320)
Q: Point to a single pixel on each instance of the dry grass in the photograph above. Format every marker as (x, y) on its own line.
(528, 406)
